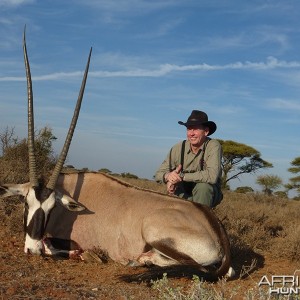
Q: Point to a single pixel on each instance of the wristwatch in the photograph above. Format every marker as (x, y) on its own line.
(181, 174)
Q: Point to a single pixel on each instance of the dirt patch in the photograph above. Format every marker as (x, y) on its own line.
(31, 277)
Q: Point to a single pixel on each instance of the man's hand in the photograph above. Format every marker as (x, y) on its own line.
(172, 179)
(171, 188)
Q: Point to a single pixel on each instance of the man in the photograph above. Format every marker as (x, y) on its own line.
(192, 169)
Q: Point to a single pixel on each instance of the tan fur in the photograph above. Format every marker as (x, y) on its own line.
(127, 221)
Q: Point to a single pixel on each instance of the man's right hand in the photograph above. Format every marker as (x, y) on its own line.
(172, 179)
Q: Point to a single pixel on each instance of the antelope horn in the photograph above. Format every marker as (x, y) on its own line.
(58, 167)
(31, 154)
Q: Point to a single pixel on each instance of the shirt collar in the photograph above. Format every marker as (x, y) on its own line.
(188, 148)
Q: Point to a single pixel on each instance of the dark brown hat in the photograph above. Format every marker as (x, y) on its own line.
(198, 117)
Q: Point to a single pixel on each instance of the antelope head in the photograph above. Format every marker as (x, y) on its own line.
(40, 198)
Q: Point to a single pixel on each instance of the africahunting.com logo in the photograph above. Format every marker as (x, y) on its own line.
(281, 284)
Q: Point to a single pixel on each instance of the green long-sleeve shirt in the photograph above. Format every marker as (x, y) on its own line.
(212, 170)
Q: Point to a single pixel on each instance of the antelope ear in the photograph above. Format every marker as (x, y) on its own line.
(68, 202)
(7, 190)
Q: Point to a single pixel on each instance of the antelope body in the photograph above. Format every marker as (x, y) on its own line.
(132, 225)
(127, 221)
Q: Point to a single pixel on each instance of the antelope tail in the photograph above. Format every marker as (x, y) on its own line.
(226, 260)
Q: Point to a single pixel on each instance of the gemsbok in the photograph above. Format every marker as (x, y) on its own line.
(133, 226)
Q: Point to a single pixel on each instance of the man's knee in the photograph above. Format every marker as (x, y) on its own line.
(203, 193)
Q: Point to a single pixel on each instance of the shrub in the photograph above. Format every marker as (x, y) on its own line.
(129, 175)
(244, 189)
(14, 160)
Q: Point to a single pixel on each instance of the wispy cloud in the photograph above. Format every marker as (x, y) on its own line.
(53, 76)
(162, 29)
(165, 69)
(284, 104)
(129, 6)
(250, 38)
(119, 11)
(13, 3)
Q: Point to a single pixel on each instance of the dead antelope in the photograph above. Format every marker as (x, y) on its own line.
(134, 226)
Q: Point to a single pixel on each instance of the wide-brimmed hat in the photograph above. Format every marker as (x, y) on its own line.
(198, 117)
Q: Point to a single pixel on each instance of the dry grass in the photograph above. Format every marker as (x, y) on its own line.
(264, 223)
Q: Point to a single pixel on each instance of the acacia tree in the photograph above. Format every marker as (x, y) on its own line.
(240, 159)
(294, 182)
(269, 183)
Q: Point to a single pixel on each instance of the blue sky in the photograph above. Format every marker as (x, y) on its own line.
(153, 62)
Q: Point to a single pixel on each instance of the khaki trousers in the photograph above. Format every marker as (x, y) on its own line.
(204, 193)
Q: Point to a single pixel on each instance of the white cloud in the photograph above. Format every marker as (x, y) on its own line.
(165, 69)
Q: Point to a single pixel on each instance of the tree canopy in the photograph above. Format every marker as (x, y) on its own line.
(294, 182)
(240, 159)
(269, 183)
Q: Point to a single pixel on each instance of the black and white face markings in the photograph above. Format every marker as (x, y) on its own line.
(38, 204)
(39, 198)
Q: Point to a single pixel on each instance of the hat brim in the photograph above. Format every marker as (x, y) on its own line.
(210, 124)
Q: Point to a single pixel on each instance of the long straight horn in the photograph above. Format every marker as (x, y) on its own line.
(32, 160)
(58, 167)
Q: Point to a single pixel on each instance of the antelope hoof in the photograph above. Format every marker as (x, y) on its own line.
(133, 263)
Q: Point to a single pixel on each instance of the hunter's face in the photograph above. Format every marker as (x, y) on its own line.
(197, 135)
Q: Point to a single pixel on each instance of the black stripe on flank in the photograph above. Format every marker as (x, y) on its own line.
(3, 190)
(35, 228)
